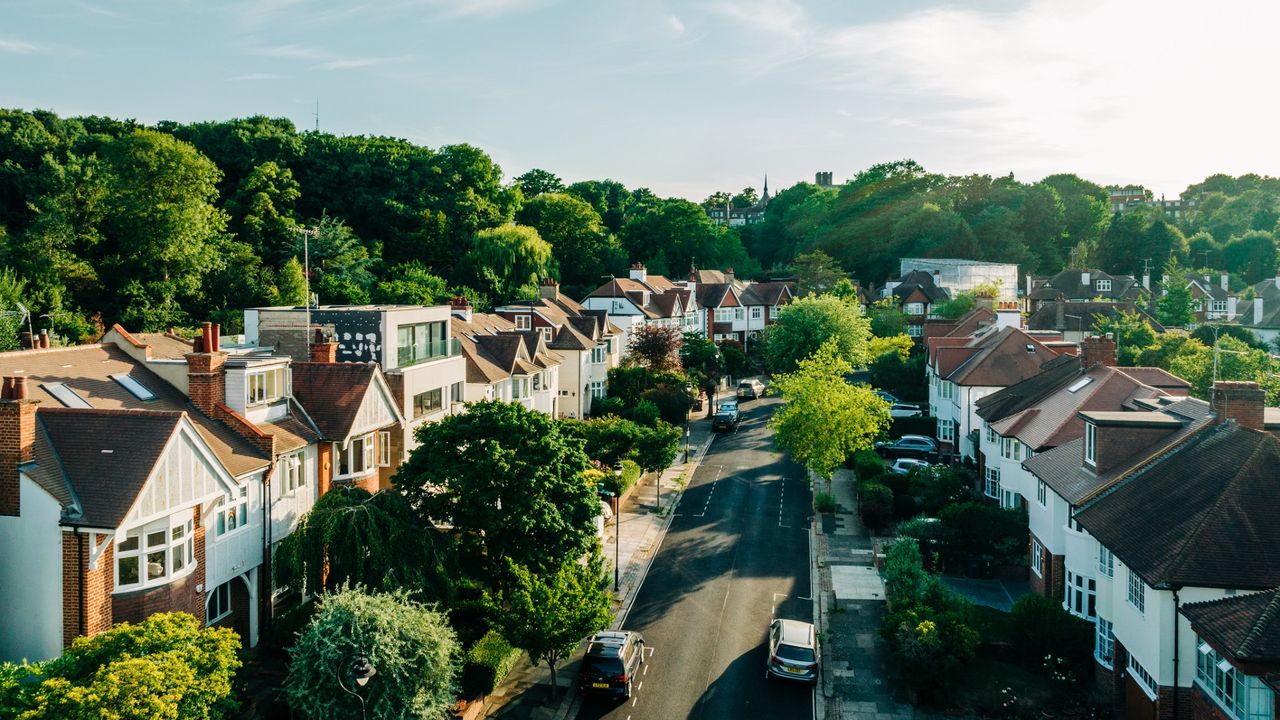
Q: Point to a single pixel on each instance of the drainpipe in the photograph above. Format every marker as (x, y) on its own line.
(264, 619)
(80, 563)
(1175, 589)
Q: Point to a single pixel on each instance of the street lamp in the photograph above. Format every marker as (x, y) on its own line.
(688, 388)
(361, 671)
(617, 531)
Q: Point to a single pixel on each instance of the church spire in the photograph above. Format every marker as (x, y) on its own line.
(764, 196)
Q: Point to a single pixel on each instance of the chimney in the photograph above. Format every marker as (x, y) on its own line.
(323, 348)
(1239, 401)
(17, 436)
(1146, 280)
(637, 272)
(460, 307)
(1257, 310)
(206, 378)
(44, 338)
(1085, 276)
(728, 276)
(1224, 281)
(1098, 350)
(1008, 314)
(549, 289)
(1059, 313)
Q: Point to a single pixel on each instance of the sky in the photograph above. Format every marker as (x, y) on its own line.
(690, 97)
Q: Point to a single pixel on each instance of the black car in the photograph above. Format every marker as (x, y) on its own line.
(726, 419)
(910, 446)
(611, 664)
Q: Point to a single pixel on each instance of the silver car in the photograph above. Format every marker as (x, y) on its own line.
(793, 651)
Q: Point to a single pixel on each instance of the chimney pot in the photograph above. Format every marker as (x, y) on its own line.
(19, 391)
(27, 340)
(217, 338)
(6, 392)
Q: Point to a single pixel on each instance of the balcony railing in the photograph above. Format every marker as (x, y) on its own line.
(416, 354)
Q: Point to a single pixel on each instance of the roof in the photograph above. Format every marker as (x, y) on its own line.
(1211, 286)
(1120, 418)
(87, 370)
(291, 432)
(769, 293)
(332, 393)
(1083, 316)
(1209, 506)
(711, 295)
(165, 345)
(1246, 626)
(922, 281)
(996, 359)
(1070, 285)
(107, 455)
(1003, 403)
(1270, 319)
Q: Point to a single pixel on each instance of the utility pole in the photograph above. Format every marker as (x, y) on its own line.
(307, 233)
(317, 114)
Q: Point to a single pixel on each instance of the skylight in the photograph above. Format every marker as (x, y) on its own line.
(65, 395)
(1079, 384)
(138, 389)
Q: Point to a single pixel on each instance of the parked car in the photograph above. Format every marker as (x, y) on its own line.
(611, 663)
(887, 397)
(793, 651)
(909, 446)
(904, 465)
(727, 406)
(726, 418)
(750, 389)
(905, 410)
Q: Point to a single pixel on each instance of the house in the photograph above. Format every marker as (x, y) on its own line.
(588, 344)
(965, 276)
(962, 370)
(1261, 315)
(413, 345)
(736, 216)
(917, 293)
(1237, 641)
(507, 364)
(1076, 320)
(1212, 298)
(966, 325)
(643, 299)
(763, 301)
(1166, 506)
(1087, 285)
(734, 310)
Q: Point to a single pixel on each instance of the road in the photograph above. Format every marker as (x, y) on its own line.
(736, 555)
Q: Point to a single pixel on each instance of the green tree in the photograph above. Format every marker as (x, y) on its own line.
(701, 359)
(341, 269)
(886, 318)
(548, 615)
(507, 262)
(1251, 255)
(610, 199)
(582, 247)
(825, 419)
(538, 182)
(1174, 306)
(352, 537)
(410, 646)
(411, 284)
(510, 480)
(1132, 333)
(957, 306)
(261, 210)
(166, 667)
(291, 284)
(806, 324)
(674, 234)
(816, 273)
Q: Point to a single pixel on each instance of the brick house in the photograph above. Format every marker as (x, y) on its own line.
(507, 364)
(644, 299)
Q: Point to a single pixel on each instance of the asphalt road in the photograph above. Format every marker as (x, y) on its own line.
(736, 555)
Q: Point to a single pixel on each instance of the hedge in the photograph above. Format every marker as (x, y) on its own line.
(630, 475)
(487, 663)
(867, 465)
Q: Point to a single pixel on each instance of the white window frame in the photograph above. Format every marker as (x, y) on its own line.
(948, 389)
(723, 314)
(367, 457)
(1142, 677)
(546, 334)
(946, 431)
(757, 312)
(384, 448)
(1104, 643)
(597, 389)
(1042, 493)
(991, 435)
(1091, 444)
(1103, 285)
(915, 331)
(232, 516)
(1080, 595)
(293, 472)
(1137, 592)
(991, 484)
(179, 542)
(266, 386)
(913, 308)
(1037, 558)
(524, 322)
(599, 354)
(739, 313)
(1218, 306)
(218, 605)
(1106, 561)
(1246, 699)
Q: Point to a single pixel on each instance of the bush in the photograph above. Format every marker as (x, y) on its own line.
(1040, 628)
(606, 406)
(904, 505)
(980, 528)
(939, 486)
(875, 504)
(867, 465)
(488, 662)
(672, 402)
(619, 485)
(824, 503)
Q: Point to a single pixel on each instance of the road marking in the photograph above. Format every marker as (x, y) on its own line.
(634, 700)
(710, 493)
(641, 685)
(646, 670)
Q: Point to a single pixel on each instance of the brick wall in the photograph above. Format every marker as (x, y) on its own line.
(91, 611)
(238, 620)
(1165, 704)
(1204, 708)
(1239, 401)
(1056, 579)
(206, 381)
(178, 596)
(17, 435)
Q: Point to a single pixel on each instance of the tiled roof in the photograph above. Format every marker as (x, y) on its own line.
(1201, 515)
(107, 455)
(87, 370)
(665, 304)
(922, 281)
(710, 295)
(768, 293)
(1246, 626)
(45, 469)
(164, 345)
(332, 393)
(999, 359)
(504, 349)
(1068, 283)
(1082, 316)
(292, 433)
(1057, 373)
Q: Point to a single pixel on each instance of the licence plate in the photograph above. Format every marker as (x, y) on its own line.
(794, 671)
(600, 685)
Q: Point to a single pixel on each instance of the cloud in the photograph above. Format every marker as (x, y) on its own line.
(356, 63)
(251, 77)
(478, 8)
(296, 52)
(676, 24)
(18, 47)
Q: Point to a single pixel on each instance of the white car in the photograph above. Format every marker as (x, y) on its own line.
(905, 410)
(903, 466)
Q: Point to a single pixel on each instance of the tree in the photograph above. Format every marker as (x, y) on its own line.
(511, 482)
(507, 262)
(1174, 306)
(656, 347)
(887, 319)
(352, 537)
(745, 199)
(261, 210)
(537, 182)
(825, 419)
(1252, 255)
(700, 358)
(816, 273)
(673, 234)
(1132, 333)
(956, 307)
(341, 268)
(582, 248)
(806, 324)
(166, 667)
(291, 284)
(657, 446)
(411, 284)
(548, 615)
(410, 645)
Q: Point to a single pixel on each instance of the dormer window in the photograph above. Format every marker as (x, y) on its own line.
(523, 322)
(265, 386)
(1090, 444)
(1103, 285)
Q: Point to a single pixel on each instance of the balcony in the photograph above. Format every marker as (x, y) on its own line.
(418, 353)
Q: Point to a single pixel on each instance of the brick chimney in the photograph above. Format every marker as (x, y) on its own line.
(460, 307)
(549, 289)
(206, 376)
(1098, 350)
(1243, 402)
(17, 436)
(323, 348)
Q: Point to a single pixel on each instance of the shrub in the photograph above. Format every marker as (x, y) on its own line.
(645, 413)
(619, 485)
(1039, 628)
(824, 503)
(875, 503)
(488, 662)
(980, 528)
(602, 407)
(867, 465)
(671, 401)
(904, 505)
(938, 486)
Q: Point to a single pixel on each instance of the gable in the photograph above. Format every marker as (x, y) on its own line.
(377, 409)
(186, 474)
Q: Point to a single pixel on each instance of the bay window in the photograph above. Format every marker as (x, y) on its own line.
(1137, 592)
(1081, 596)
(156, 553)
(1104, 643)
(356, 457)
(1244, 697)
(992, 482)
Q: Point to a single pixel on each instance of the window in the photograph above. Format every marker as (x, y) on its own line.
(946, 431)
(739, 313)
(384, 448)
(1218, 306)
(1037, 550)
(546, 334)
(597, 389)
(599, 353)
(757, 312)
(1140, 674)
(1106, 562)
(991, 435)
(156, 553)
(915, 330)
(948, 389)
(136, 388)
(992, 482)
(428, 402)
(1081, 596)
(1009, 500)
(1079, 384)
(520, 387)
(1103, 285)
(1011, 449)
(356, 457)
(1090, 444)
(523, 322)
(1042, 493)
(293, 472)
(1073, 525)
(1104, 643)
(218, 605)
(913, 308)
(233, 515)
(455, 392)
(421, 342)
(65, 395)
(1243, 696)
(724, 314)
(265, 386)
(1137, 592)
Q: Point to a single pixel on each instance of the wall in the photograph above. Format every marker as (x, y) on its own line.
(286, 509)
(572, 371)
(30, 581)
(86, 593)
(240, 550)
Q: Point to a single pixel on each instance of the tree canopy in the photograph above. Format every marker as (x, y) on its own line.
(807, 323)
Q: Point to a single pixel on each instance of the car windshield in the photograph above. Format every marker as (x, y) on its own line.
(728, 407)
(604, 667)
(795, 654)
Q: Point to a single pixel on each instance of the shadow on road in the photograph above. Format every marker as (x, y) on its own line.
(742, 691)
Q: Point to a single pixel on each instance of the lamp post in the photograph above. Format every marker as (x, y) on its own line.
(617, 528)
(688, 389)
(361, 671)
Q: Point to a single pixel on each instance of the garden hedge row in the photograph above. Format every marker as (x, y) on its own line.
(487, 663)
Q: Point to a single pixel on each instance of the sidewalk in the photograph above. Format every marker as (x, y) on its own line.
(646, 512)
